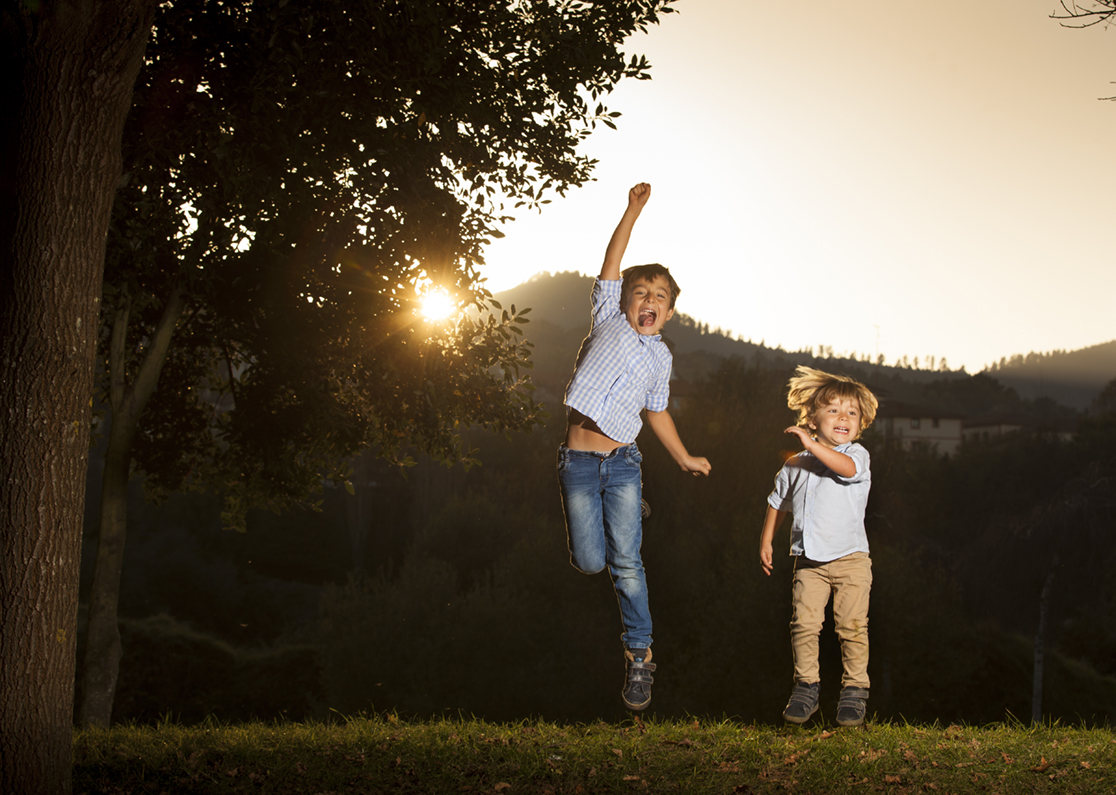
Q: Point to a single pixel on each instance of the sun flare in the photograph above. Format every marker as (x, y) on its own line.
(437, 305)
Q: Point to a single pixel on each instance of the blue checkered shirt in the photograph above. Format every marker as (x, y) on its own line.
(619, 372)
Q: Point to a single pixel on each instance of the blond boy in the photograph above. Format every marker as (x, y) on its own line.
(825, 487)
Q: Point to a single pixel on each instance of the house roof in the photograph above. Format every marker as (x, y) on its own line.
(996, 420)
(899, 409)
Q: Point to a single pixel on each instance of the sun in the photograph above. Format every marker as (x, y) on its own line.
(437, 305)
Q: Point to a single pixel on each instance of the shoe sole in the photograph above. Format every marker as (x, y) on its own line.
(799, 721)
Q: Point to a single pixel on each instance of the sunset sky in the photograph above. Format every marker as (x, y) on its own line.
(918, 179)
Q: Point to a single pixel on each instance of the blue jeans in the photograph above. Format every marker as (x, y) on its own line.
(601, 499)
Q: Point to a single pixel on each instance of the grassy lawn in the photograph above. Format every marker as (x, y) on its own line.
(372, 755)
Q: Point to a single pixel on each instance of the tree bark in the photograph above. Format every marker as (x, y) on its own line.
(70, 68)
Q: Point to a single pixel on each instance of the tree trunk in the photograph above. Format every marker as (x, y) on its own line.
(102, 645)
(69, 68)
(1040, 644)
(102, 642)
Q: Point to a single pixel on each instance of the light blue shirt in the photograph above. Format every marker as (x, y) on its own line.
(619, 372)
(828, 509)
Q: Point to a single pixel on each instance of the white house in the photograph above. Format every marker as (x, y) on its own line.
(908, 425)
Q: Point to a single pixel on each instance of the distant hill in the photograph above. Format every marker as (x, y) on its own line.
(559, 318)
(560, 307)
(1072, 378)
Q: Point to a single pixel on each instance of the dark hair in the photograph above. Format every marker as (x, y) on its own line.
(647, 273)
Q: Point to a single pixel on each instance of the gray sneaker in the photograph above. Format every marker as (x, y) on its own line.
(637, 678)
(803, 702)
(852, 706)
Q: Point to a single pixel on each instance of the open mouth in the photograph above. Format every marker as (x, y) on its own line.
(647, 318)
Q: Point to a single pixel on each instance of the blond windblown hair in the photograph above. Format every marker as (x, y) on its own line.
(812, 389)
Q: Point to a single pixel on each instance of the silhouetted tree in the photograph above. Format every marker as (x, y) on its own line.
(295, 171)
(1096, 12)
(1105, 401)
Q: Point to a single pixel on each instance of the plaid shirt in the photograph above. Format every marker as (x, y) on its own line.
(619, 372)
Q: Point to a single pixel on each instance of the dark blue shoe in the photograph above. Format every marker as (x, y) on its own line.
(637, 678)
(803, 702)
(852, 706)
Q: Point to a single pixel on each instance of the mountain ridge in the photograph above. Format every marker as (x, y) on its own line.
(559, 304)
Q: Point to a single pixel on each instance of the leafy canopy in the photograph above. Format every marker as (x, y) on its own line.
(299, 171)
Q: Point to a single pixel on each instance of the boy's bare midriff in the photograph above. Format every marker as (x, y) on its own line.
(583, 434)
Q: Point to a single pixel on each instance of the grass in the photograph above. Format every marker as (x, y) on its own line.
(374, 755)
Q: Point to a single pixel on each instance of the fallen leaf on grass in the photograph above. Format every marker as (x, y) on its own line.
(1041, 766)
(1007, 759)
(503, 785)
(892, 780)
(825, 735)
(1086, 766)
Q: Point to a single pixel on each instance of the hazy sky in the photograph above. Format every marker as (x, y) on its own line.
(919, 179)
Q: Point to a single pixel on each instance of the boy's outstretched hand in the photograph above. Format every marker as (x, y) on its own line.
(638, 195)
(696, 464)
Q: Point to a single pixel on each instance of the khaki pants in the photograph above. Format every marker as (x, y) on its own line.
(849, 579)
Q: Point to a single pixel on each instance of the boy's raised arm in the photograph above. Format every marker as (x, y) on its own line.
(840, 463)
(618, 243)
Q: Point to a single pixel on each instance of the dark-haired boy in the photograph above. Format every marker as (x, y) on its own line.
(623, 368)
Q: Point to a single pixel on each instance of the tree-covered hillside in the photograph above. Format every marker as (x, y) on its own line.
(450, 591)
(559, 306)
(1069, 377)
